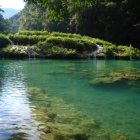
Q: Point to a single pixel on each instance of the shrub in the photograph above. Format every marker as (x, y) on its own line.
(26, 40)
(58, 51)
(66, 44)
(71, 46)
(15, 52)
(30, 33)
(79, 45)
(69, 35)
(110, 51)
(125, 51)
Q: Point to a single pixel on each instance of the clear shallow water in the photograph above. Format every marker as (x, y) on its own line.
(114, 105)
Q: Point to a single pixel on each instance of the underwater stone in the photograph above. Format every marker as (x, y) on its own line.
(34, 90)
(48, 104)
(112, 77)
(106, 80)
(63, 122)
(48, 129)
(66, 136)
(119, 137)
(101, 137)
(19, 136)
(51, 115)
(90, 124)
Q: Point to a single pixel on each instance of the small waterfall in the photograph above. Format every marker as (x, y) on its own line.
(11, 42)
(114, 53)
(130, 57)
(31, 52)
(99, 48)
(94, 53)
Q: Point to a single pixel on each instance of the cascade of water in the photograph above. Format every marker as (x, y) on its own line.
(94, 53)
(114, 53)
(31, 52)
(130, 57)
(11, 42)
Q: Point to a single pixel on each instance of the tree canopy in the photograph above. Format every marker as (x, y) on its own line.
(113, 20)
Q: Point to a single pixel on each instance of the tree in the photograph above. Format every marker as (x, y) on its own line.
(15, 22)
(35, 17)
(4, 24)
(117, 21)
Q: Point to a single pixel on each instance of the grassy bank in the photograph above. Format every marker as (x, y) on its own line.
(43, 44)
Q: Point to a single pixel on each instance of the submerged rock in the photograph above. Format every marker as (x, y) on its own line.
(62, 121)
(118, 136)
(112, 77)
(51, 115)
(19, 136)
(69, 136)
(105, 80)
(34, 90)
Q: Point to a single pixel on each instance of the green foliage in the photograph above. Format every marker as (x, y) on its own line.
(110, 51)
(33, 17)
(121, 51)
(111, 4)
(66, 44)
(15, 52)
(3, 41)
(114, 20)
(70, 35)
(26, 40)
(14, 22)
(125, 51)
(33, 33)
(59, 51)
(80, 45)
(99, 41)
(63, 45)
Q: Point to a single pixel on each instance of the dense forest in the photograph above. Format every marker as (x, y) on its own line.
(117, 21)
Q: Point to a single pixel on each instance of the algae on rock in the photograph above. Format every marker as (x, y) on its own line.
(61, 121)
(112, 77)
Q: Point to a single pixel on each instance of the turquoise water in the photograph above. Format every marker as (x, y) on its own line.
(88, 86)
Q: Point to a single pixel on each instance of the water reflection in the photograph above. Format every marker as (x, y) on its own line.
(16, 121)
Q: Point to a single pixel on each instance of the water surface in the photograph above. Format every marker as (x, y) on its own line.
(114, 104)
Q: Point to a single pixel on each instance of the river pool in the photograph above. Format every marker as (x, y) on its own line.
(69, 99)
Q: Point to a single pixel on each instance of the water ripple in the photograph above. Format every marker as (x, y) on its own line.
(16, 119)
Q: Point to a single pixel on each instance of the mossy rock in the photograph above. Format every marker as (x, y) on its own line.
(112, 77)
(62, 121)
(34, 90)
(70, 136)
(118, 136)
(105, 80)
(19, 136)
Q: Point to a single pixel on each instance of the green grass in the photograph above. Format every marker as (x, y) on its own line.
(57, 44)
